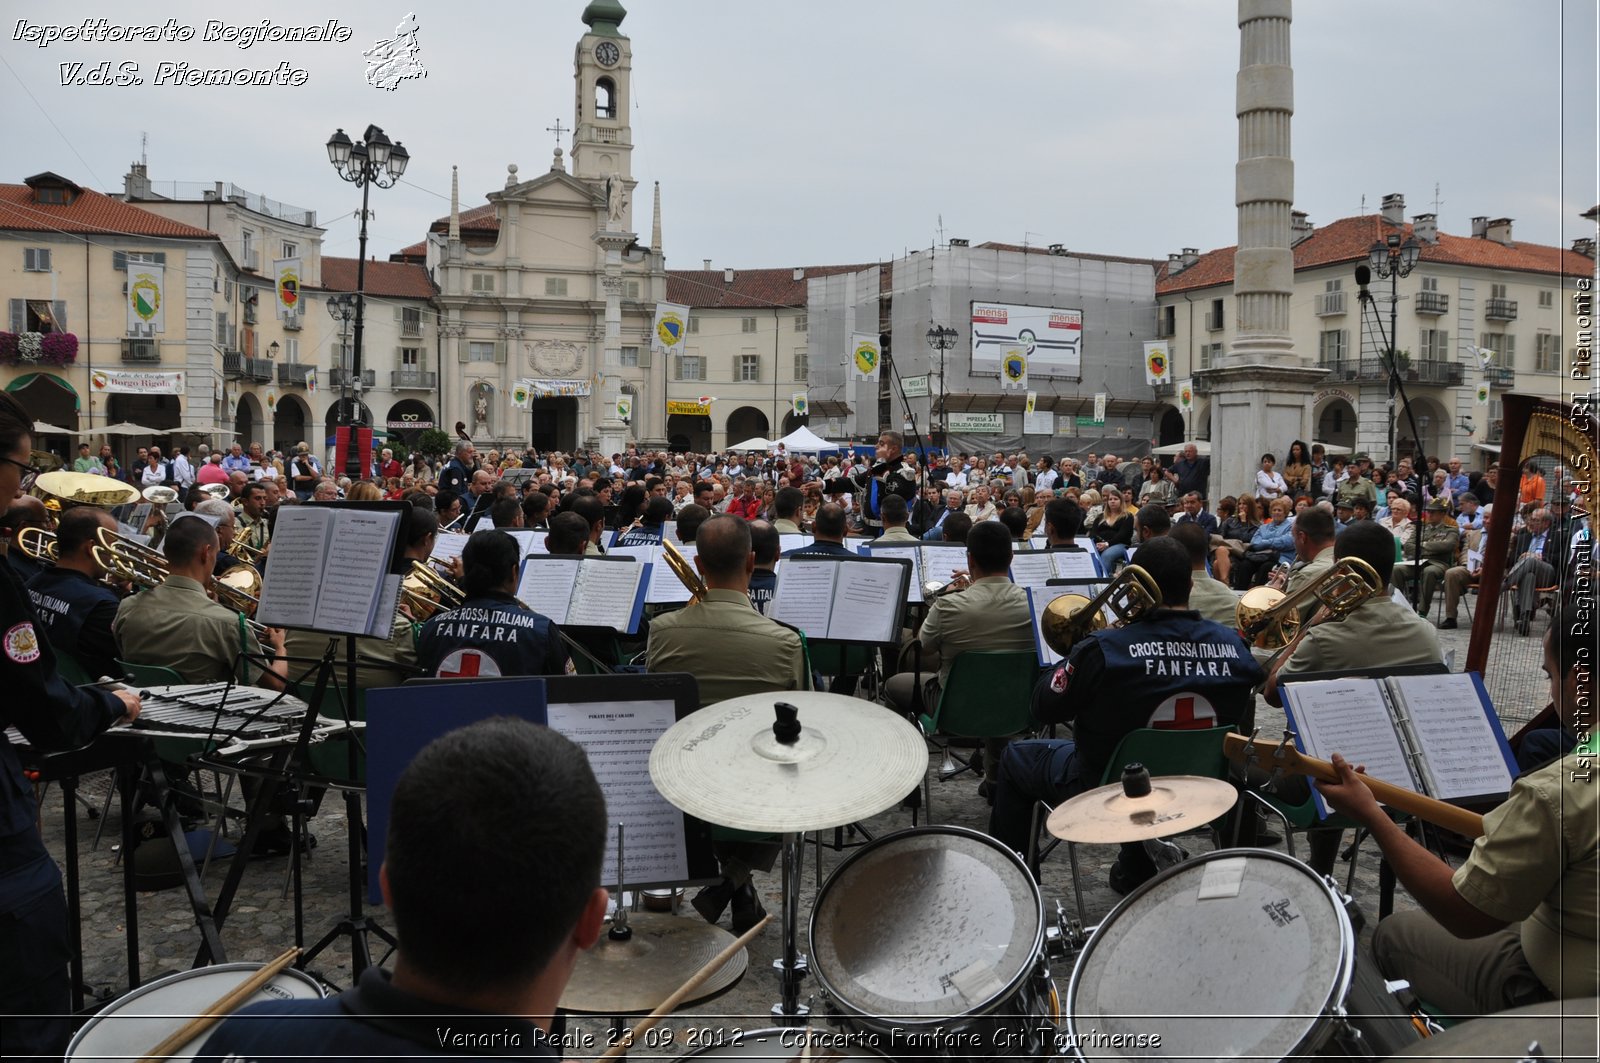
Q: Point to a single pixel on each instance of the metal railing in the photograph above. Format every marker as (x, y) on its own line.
(339, 376)
(413, 378)
(293, 373)
(1500, 309)
(1432, 303)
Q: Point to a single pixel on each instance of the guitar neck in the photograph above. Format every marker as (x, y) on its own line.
(1292, 761)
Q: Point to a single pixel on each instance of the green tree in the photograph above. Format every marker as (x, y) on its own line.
(433, 443)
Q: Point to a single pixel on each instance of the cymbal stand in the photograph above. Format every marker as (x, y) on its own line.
(791, 966)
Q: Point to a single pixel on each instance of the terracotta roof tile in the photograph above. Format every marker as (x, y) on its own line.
(480, 219)
(1348, 239)
(751, 288)
(399, 280)
(89, 212)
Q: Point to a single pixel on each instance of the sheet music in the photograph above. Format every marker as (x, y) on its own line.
(669, 533)
(1032, 570)
(665, 586)
(910, 553)
(447, 546)
(294, 568)
(1349, 717)
(618, 737)
(529, 540)
(1075, 564)
(388, 604)
(1461, 749)
(1042, 596)
(604, 594)
(804, 596)
(941, 563)
(546, 585)
(866, 602)
(792, 542)
(356, 563)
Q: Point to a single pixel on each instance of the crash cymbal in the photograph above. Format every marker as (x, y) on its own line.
(635, 976)
(83, 489)
(1175, 803)
(851, 759)
(1565, 1029)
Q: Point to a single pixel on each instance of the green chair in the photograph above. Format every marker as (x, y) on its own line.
(989, 694)
(71, 672)
(1163, 751)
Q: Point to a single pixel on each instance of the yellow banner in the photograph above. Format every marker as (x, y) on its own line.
(694, 409)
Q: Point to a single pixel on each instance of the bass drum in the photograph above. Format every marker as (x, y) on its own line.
(1240, 953)
(133, 1024)
(932, 940)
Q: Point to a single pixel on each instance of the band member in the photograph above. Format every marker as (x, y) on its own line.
(35, 991)
(786, 506)
(1441, 543)
(222, 518)
(24, 512)
(895, 514)
(764, 543)
(493, 970)
(829, 533)
(650, 528)
(1209, 597)
(892, 475)
(492, 633)
(1515, 924)
(1168, 669)
(253, 526)
(75, 607)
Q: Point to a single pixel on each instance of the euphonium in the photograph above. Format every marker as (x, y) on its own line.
(38, 545)
(129, 561)
(1071, 617)
(1269, 618)
(425, 592)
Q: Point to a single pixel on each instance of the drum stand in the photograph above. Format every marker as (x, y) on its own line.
(791, 966)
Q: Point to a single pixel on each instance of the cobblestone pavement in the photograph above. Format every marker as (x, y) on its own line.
(261, 923)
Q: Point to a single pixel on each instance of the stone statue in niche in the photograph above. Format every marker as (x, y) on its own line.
(482, 396)
(616, 197)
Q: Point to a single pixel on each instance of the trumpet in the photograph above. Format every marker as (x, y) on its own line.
(425, 592)
(934, 589)
(1072, 617)
(1270, 618)
(38, 545)
(684, 571)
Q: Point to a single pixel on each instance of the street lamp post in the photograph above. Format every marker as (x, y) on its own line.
(371, 161)
(941, 338)
(342, 308)
(1392, 259)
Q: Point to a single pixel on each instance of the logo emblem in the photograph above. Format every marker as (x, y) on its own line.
(669, 329)
(1015, 367)
(867, 358)
(145, 295)
(22, 643)
(394, 60)
(1158, 363)
(1186, 396)
(289, 288)
(467, 664)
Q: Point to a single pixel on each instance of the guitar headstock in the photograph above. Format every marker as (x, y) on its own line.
(1277, 758)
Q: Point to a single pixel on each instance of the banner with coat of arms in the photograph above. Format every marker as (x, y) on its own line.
(865, 355)
(146, 298)
(1186, 394)
(671, 325)
(1483, 394)
(801, 404)
(287, 272)
(1014, 369)
(1157, 364)
(520, 395)
(624, 407)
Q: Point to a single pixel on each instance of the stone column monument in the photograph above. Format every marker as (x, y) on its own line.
(1261, 389)
(612, 434)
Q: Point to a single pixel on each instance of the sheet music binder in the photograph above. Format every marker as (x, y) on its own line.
(1041, 596)
(573, 597)
(1436, 733)
(329, 568)
(842, 599)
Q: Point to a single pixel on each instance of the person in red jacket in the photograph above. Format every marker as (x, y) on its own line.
(746, 504)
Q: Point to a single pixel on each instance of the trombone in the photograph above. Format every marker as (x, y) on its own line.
(38, 545)
(1270, 619)
(1073, 617)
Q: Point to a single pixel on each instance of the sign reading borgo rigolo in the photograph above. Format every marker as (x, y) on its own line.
(1050, 339)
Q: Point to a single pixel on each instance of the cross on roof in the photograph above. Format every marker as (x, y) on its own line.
(557, 129)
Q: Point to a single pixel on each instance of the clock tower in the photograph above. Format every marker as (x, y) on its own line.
(602, 142)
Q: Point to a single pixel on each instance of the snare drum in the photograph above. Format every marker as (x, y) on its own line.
(1237, 953)
(132, 1025)
(933, 938)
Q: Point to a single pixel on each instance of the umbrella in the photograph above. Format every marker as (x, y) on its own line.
(1201, 447)
(753, 443)
(42, 428)
(1331, 449)
(128, 428)
(806, 441)
(203, 430)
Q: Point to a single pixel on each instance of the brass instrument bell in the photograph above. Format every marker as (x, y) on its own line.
(1270, 618)
(1072, 617)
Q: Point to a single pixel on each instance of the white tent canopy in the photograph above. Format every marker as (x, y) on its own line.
(806, 441)
(1331, 449)
(1201, 446)
(753, 443)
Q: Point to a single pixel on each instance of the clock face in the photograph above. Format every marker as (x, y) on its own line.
(606, 53)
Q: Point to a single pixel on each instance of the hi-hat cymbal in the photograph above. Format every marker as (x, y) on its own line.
(83, 489)
(1565, 1029)
(852, 759)
(635, 976)
(1176, 803)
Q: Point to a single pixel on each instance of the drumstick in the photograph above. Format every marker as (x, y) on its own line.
(712, 966)
(219, 1009)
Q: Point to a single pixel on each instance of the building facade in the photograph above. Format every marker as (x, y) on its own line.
(1481, 309)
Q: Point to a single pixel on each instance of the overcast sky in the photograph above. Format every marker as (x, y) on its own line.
(828, 131)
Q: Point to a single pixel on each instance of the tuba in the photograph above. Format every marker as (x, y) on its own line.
(684, 571)
(1269, 618)
(1071, 617)
(61, 490)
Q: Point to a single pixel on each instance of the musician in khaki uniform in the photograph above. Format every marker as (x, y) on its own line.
(1209, 597)
(731, 650)
(177, 626)
(1313, 547)
(1441, 542)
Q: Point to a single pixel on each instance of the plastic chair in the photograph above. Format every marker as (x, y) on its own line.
(71, 671)
(844, 663)
(1163, 751)
(989, 695)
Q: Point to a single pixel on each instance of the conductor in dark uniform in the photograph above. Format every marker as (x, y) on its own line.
(35, 992)
(492, 633)
(75, 608)
(891, 475)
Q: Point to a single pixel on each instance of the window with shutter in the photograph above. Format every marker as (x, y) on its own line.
(36, 259)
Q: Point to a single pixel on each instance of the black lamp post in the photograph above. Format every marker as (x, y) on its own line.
(371, 161)
(942, 338)
(1390, 259)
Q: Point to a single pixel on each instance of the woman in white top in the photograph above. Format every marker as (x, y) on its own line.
(154, 473)
(1269, 484)
(1399, 519)
(958, 477)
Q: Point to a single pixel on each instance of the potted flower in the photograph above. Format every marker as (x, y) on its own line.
(59, 348)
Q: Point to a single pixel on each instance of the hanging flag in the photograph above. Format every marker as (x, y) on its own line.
(671, 325)
(230, 395)
(311, 381)
(865, 354)
(1483, 394)
(521, 394)
(1014, 369)
(1100, 407)
(1157, 366)
(287, 272)
(1032, 401)
(1186, 394)
(624, 407)
(706, 400)
(801, 406)
(272, 399)
(146, 296)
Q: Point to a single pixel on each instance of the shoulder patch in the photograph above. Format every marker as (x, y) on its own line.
(22, 643)
(1062, 676)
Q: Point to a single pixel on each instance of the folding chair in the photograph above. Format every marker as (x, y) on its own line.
(989, 695)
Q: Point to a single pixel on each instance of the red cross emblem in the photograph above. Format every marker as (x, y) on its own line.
(467, 664)
(1184, 712)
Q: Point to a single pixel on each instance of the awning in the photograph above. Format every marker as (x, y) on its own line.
(27, 378)
(830, 408)
(1492, 448)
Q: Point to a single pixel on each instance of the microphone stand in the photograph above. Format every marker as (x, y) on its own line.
(1363, 274)
(922, 450)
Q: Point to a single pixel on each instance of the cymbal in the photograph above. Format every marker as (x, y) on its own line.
(1565, 1029)
(1176, 803)
(635, 976)
(852, 759)
(83, 489)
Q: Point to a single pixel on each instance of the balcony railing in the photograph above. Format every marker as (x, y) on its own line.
(258, 369)
(293, 373)
(1500, 309)
(140, 350)
(1202, 385)
(1496, 432)
(412, 378)
(232, 365)
(1330, 304)
(409, 327)
(1500, 376)
(1433, 303)
(1437, 372)
(1163, 391)
(339, 377)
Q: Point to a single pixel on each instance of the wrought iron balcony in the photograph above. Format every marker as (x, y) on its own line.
(232, 365)
(293, 373)
(1433, 303)
(1500, 309)
(1500, 376)
(258, 369)
(141, 350)
(1163, 391)
(339, 376)
(400, 379)
(1436, 372)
